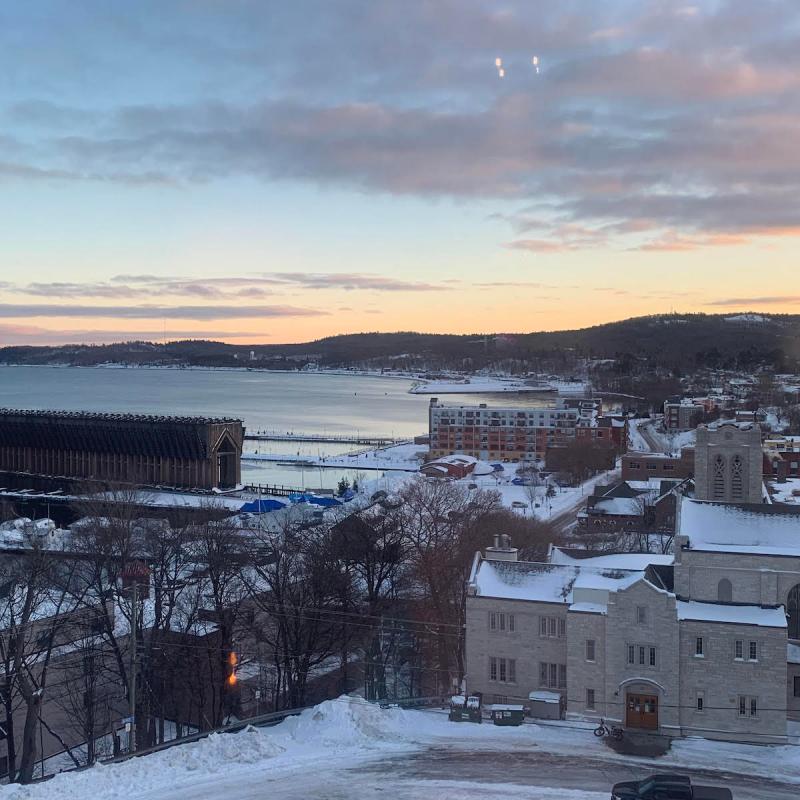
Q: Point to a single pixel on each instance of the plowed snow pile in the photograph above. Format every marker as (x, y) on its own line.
(346, 726)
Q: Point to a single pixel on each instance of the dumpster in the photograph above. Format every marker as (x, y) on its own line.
(475, 707)
(545, 705)
(458, 708)
(504, 714)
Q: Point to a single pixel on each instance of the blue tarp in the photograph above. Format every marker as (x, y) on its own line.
(348, 495)
(261, 506)
(497, 467)
(325, 502)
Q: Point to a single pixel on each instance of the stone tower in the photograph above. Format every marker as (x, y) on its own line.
(728, 462)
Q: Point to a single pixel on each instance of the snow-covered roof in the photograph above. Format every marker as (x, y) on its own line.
(752, 528)
(589, 608)
(618, 507)
(544, 583)
(722, 612)
(631, 561)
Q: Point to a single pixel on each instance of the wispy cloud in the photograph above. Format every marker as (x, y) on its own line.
(154, 312)
(40, 335)
(767, 300)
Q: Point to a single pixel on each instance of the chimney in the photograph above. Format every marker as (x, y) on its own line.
(502, 549)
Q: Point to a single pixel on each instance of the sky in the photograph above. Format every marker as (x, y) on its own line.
(282, 171)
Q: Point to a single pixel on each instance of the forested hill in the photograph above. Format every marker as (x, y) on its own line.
(676, 341)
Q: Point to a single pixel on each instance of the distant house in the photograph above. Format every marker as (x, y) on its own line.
(633, 506)
(781, 457)
(452, 466)
(644, 466)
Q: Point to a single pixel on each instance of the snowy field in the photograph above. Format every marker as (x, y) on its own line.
(348, 748)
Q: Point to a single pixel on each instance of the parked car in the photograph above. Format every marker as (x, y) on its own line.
(667, 787)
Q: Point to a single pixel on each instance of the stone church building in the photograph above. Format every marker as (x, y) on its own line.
(704, 642)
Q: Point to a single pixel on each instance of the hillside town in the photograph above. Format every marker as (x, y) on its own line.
(575, 560)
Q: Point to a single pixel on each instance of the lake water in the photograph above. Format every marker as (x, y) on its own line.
(274, 401)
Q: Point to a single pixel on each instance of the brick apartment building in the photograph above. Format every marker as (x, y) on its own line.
(511, 433)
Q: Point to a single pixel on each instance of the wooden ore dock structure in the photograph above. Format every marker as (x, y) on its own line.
(134, 449)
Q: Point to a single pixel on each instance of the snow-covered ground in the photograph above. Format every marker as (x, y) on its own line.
(497, 385)
(406, 457)
(348, 748)
(787, 492)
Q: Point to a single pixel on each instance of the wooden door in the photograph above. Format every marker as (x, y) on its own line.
(641, 711)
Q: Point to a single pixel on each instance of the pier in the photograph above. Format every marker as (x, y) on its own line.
(333, 438)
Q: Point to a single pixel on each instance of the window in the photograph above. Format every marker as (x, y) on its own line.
(701, 701)
(642, 655)
(796, 686)
(752, 652)
(492, 621)
(738, 650)
(511, 623)
(698, 647)
(748, 706)
(503, 670)
(641, 615)
(590, 649)
(718, 488)
(502, 621)
(737, 486)
(725, 591)
(553, 676)
(793, 610)
(552, 627)
(590, 699)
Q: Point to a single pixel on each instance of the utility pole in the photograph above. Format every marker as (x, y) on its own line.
(132, 675)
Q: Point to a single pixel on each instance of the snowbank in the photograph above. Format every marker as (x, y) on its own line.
(325, 743)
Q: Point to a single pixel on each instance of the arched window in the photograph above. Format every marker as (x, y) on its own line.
(725, 591)
(793, 610)
(737, 492)
(718, 491)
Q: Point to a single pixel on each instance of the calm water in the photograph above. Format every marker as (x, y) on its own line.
(279, 402)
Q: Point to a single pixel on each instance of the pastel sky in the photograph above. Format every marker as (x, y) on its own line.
(280, 171)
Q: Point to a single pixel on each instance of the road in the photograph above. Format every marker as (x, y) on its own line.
(654, 441)
(549, 770)
(445, 773)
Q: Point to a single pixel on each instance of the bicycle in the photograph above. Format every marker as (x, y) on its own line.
(613, 731)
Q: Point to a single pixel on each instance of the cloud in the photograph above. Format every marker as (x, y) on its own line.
(36, 335)
(56, 310)
(680, 118)
(747, 302)
(351, 281)
(220, 288)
